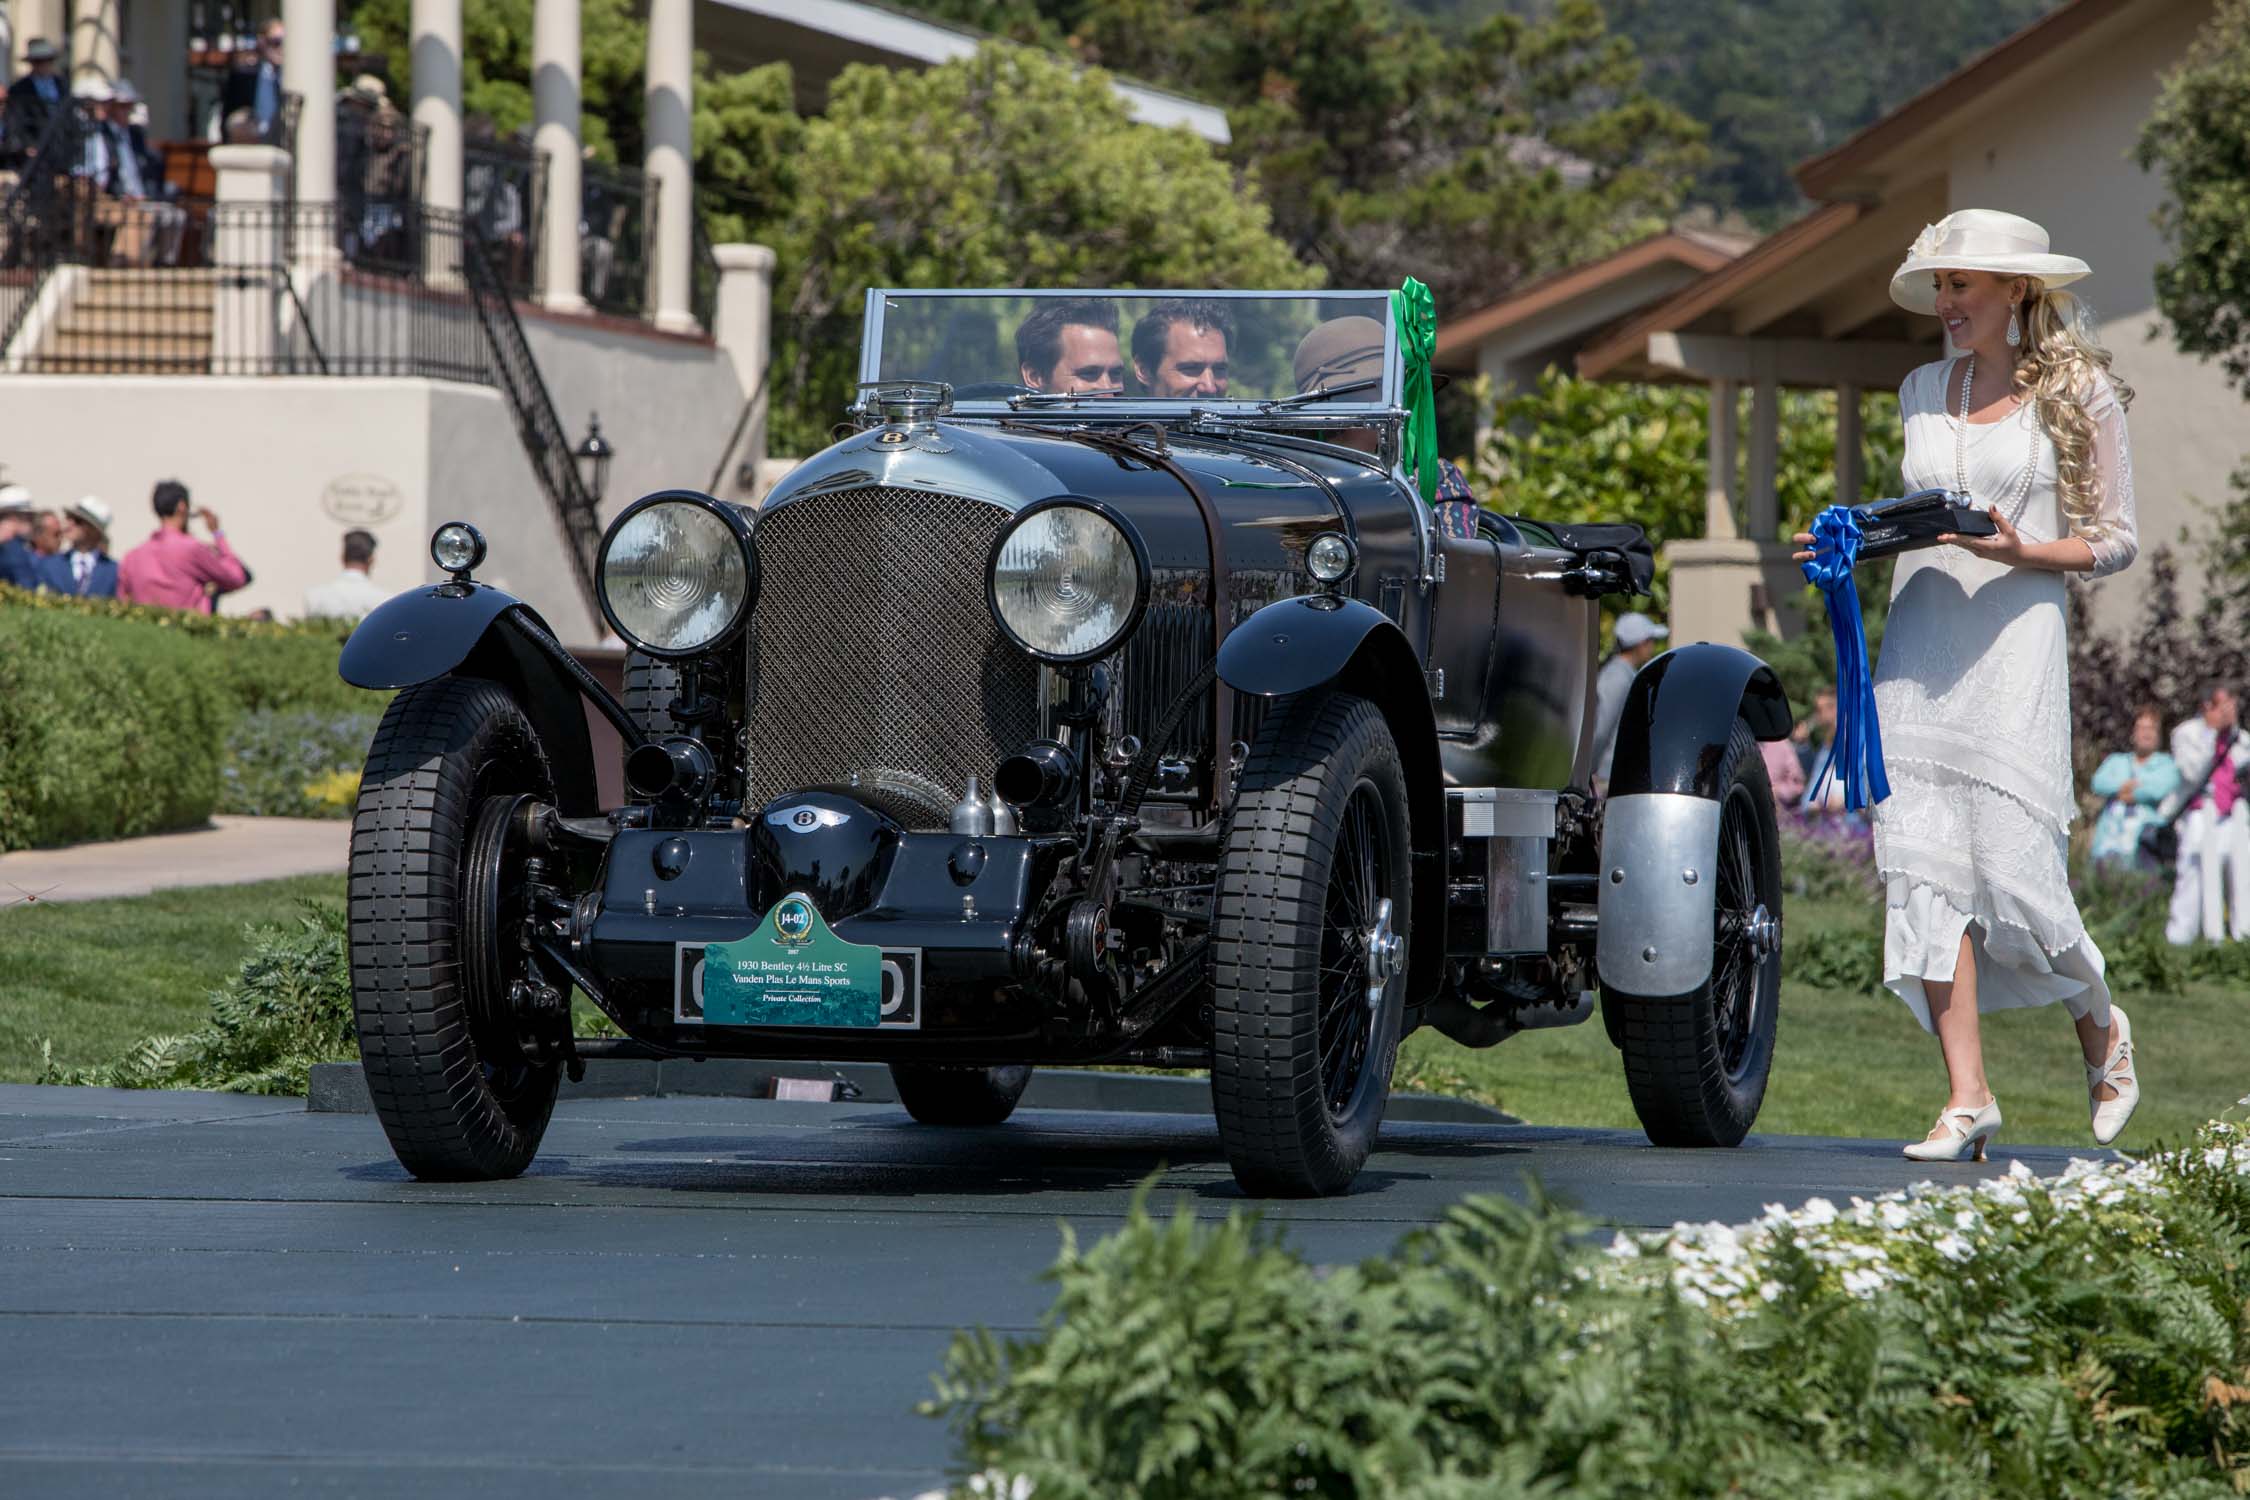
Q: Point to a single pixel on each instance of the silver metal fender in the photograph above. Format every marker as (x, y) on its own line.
(1659, 893)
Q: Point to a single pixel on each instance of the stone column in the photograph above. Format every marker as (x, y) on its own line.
(742, 325)
(246, 224)
(671, 155)
(1764, 508)
(436, 47)
(555, 108)
(1851, 466)
(1718, 482)
(94, 27)
(308, 70)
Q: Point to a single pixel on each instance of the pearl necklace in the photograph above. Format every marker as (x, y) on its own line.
(2018, 498)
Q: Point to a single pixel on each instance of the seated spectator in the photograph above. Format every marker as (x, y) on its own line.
(2132, 782)
(128, 180)
(19, 565)
(2213, 758)
(351, 593)
(85, 569)
(173, 569)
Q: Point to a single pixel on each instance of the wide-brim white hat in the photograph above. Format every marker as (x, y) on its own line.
(93, 511)
(15, 500)
(1979, 239)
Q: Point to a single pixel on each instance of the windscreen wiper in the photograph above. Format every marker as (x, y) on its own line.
(1319, 393)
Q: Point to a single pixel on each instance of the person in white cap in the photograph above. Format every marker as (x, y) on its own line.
(129, 183)
(84, 568)
(1973, 690)
(1639, 638)
(19, 565)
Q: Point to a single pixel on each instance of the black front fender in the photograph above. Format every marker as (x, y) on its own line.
(474, 630)
(1681, 710)
(1321, 640)
(1293, 645)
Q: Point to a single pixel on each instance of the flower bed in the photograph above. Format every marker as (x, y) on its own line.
(2085, 1335)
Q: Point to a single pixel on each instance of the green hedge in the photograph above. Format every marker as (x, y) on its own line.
(120, 719)
(108, 729)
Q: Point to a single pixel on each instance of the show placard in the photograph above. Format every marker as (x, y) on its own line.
(792, 971)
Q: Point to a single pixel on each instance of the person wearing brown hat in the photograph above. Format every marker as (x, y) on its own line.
(1344, 356)
(85, 569)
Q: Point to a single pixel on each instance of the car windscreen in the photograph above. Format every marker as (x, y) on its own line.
(1031, 348)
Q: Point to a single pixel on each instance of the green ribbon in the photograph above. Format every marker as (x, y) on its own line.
(1414, 314)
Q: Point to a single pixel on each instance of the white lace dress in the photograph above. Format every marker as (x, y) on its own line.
(1973, 697)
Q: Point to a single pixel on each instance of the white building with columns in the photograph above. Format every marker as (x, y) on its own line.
(424, 416)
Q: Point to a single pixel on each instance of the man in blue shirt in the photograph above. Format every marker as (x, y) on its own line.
(84, 569)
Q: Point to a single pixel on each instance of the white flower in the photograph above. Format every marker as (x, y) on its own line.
(1895, 1215)
(1770, 1290)
(1953, 1247)
(1623, 1248)
(1817, 1211)
(1863, 1283)
(1931, 237)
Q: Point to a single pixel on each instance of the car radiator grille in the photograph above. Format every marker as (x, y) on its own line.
(874, 660)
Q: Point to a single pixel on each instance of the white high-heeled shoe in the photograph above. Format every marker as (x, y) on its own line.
(1966, 1131)
(2118, 1072)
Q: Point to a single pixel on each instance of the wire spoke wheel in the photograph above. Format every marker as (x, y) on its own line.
(1309, 947)
(1697, 1064)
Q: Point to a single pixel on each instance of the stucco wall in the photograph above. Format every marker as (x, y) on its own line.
(291, 464)
(2062, 156)
(667, 404)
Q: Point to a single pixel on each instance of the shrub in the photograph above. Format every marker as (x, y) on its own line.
(292, 762)
(289, 1007)
(2019, 1337)
(108, 728)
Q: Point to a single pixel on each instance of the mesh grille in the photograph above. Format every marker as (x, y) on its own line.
(874, 654)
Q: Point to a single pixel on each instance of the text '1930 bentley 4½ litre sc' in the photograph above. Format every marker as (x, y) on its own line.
(1112, 693)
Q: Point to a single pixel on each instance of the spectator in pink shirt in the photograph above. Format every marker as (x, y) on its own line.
(171, 568)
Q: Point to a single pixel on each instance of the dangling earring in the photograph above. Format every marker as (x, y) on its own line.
(2015, 334)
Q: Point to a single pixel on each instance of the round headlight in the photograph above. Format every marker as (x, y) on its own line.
(1068, 580)
(1331, 557)
(457, 546)
(675, 574)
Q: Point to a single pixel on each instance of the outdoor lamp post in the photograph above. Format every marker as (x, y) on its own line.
(593, 457)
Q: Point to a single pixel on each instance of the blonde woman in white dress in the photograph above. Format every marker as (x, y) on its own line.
(1973, 689)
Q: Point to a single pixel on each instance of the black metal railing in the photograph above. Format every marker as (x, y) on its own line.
(504, 193)
(544, 441)
(617, 239)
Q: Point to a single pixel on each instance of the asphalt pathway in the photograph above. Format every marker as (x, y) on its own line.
(211, 1295)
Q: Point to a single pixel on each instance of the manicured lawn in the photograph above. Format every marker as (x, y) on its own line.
(1857, 1064)
(97, 976)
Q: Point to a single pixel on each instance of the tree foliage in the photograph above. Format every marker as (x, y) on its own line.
(1581, 450)
(2198, 140)
(1387, 149)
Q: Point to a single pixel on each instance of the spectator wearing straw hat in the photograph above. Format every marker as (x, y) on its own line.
(173, 569)
(84, 569)
(19, 565)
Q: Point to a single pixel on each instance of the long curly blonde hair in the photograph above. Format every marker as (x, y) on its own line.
(2056, 371)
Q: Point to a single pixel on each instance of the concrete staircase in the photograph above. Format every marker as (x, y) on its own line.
(136, 322)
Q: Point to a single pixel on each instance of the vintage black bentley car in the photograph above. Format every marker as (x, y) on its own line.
(1108, 694)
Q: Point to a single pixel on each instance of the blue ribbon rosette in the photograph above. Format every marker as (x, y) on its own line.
(1857, 754)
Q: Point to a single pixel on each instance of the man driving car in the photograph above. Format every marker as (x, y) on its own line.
(1180, 347)
(1069, 346)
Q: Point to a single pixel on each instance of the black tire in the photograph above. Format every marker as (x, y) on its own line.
(938, 1095)
(650, 687)
(1300, 1061)
(459, 1103)
(1697, 1065)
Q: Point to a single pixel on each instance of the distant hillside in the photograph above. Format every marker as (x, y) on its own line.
(1780, 80)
